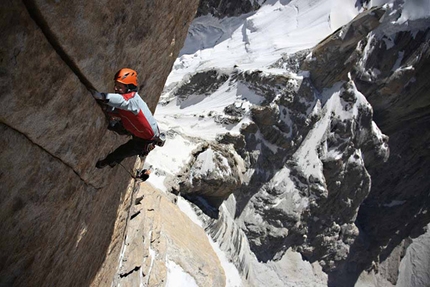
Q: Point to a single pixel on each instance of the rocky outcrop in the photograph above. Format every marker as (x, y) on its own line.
(200, 84)
(388, 67)
(58, 212)
(413, 269)
(215, 174)
(221, 9)
(332, 59)
(283, 200)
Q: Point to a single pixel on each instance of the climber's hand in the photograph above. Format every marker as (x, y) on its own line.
(98, 95)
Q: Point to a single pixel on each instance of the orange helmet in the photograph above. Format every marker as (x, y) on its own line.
(126, 76)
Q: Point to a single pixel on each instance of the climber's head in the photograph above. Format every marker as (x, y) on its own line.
(125, 81)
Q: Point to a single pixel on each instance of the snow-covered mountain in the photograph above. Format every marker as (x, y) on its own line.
(269, 118)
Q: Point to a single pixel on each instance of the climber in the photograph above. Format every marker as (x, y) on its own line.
(134, 115)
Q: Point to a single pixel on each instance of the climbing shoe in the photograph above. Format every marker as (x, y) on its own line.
(143, 174)
(103, 163)
(160, 140)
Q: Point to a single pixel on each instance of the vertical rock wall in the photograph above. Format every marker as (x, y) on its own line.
(57, 211)
(397, 207)
(389, 65)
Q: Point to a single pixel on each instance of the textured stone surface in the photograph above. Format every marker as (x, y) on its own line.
(58, 213)
(331, 59)
(397, 207)
(414, 269)
(229, 8)
(203, 83)
(51, 218)
(389, 66)
(279, 203)
(159, 232)
(215, 174)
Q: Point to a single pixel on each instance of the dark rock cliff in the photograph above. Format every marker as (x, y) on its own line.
(221, 8)
(389, 66)
(397, 207)
(57, 211)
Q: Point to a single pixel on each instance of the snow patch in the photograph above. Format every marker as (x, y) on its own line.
(342, 12)
(415, 9)
(169, 160)
(398, 61)
(177, 277)
(207, 165)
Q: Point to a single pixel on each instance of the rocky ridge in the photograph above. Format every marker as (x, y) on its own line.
(159, 238)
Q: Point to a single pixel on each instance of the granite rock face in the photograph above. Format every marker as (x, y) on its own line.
(413, 269)
(332, 59)
(160, 237)
(58, 212)
(215, 174)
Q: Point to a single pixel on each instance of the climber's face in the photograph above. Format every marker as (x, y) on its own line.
(120, 88)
